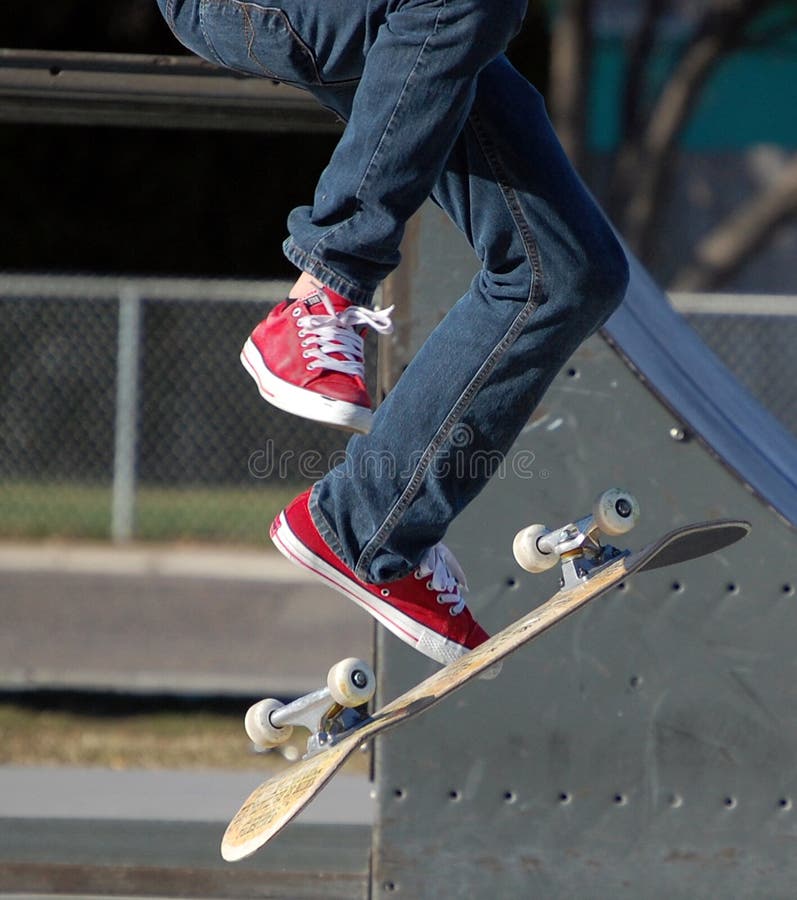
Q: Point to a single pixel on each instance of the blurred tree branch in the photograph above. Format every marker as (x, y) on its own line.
(653, 118)
(734, 241)
(571, 61)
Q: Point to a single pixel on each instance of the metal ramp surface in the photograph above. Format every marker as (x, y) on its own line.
(645, 747)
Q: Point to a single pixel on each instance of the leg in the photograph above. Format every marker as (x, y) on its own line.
(420, 60)
(428, 109)
(552, 273)
(417, 85)
(402, 72)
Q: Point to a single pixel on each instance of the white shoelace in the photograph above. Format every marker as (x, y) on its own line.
(447, 577)
(335, 333)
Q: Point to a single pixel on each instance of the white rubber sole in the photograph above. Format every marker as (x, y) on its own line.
(301, 402)
(403, 627)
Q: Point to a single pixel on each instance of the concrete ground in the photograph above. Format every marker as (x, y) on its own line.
(53, 793)
(169, 619)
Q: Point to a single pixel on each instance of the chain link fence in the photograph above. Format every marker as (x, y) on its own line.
(125, 412)
(755, 337)
(759, 350)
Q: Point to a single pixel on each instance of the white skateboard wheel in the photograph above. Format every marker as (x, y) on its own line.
(527, 552)
(259, 727)
(615, 511)
(351, 682)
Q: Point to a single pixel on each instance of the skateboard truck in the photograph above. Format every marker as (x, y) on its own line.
(577, 545)
(328, 714)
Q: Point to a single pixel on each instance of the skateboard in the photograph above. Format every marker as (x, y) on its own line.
(337, 715)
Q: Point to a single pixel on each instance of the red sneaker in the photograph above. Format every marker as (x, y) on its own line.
(425, 609)
(306, 357)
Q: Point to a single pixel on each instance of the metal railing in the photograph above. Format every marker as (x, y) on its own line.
(76, 88)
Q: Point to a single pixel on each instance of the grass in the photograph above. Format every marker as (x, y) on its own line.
(168, 740)
(135, 735)
(31, 510)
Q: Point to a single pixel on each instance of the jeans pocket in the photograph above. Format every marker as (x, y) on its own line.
(257, 40)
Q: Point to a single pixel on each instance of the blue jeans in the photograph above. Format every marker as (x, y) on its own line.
(433, 108)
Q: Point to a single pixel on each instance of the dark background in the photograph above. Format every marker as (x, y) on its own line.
(154, 201)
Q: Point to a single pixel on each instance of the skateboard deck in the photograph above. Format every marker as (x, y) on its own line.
(278, 800)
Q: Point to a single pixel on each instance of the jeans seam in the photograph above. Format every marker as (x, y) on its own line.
(289, 27)
(485, 370)
(206, 34)
(249, 34)
(324, 528)
(316, 267)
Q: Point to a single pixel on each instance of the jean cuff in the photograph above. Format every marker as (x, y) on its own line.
(318, 269)
(324, 529)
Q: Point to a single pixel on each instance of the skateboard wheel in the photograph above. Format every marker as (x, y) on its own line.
(527, 552)
(259, 727)
(615, 511)
(351, 682)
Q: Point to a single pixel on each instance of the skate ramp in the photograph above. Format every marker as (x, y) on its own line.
(687, 377)
(646, 746)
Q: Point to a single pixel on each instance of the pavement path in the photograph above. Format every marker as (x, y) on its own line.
(40, 792)
(196, 620)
